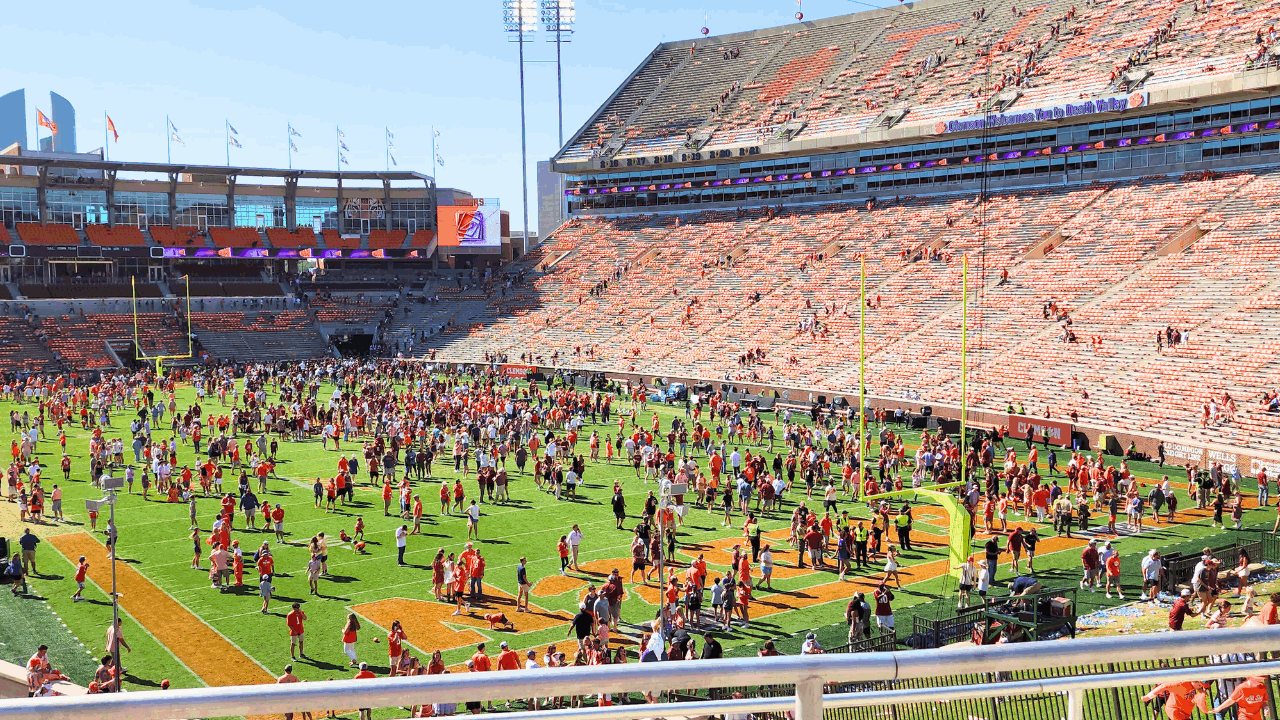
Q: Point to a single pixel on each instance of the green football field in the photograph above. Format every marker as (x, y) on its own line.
(182, 630)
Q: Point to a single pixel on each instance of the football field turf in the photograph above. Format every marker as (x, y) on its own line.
(183, 630)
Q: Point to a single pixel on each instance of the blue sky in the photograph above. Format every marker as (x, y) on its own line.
(359, 65)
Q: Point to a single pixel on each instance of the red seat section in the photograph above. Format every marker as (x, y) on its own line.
(181, 236)
(118, 236)
(55, 234)
(281, 238)
(235, 237)
(382, 239)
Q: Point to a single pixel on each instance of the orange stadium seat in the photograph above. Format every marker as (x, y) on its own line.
(54, 234)
(118, 236)
(386, 239)
(235, 237)
(281, 238)
(181, 236)
(333, 240)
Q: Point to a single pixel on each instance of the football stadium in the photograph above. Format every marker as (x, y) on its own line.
(1007, 269)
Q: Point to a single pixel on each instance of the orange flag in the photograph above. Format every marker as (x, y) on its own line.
(43, 120)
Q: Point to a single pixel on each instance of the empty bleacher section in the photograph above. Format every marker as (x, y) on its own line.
(689, 295)
(259, 335)
(386, 239)
(281, 238)
(52, 234)
(235, 237)
(118, 236)
(181, 236)
(931, 59)
(21, 348)
(80, 340)
(72, 290)
(349, 310)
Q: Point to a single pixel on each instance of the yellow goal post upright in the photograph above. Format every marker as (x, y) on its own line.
(137, 337)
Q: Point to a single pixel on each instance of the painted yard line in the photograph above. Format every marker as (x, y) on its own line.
(210, 655)
(106, 592)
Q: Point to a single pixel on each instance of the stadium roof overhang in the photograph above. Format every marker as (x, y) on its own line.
(167, 168)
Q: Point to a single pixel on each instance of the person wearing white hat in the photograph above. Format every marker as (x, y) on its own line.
(1152, 566)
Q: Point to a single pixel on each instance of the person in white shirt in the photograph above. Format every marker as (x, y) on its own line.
(575, 539)
(402, 539)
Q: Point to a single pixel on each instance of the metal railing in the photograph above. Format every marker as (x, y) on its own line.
(853, 680)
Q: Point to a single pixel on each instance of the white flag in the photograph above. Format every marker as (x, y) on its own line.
(343, 158)
(236, 142)
(294, 133)
(172, 126)
(439, 160)
(178, 139)
(391, 135)
(437, 132)
(292, 146)
(343, 146)
(232, 128)
(340, 133)
(393, 161)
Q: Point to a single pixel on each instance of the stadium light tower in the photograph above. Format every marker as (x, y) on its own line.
(558, 16)
(520, 17)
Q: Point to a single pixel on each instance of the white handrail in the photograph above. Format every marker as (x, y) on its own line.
(807, 672)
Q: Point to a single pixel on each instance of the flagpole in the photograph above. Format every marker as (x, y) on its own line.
(288, 146)
(226, 130)
(433, 153)
(168, 141)
(862, 371)
(337, 146)
(105, 155)
(386, 143)
(964, 367)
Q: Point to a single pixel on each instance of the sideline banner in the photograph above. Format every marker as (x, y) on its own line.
(1059, 433)
(517, 371)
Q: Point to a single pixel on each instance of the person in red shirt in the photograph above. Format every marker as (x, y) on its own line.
(364, 674)
(480, 661)
(1183, 698)
(294, 621)
(82, 569)
(563, 548)
(349, 636)
(395, 644)
(1250, 699)
(277, 517)
(499, 620)
(508, 659)
(417, 515)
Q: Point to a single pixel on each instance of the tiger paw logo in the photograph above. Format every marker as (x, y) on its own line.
(939, 128)
(1137, 100)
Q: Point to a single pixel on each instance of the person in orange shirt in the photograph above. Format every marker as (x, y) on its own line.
(1249, 697)
(508, 659)
(365, 673)
(673, 595)
(395, 644)
(237, 562)
(460, 577)
(296, 631)
(563, 548)
(349, 636)
(480, 661)
(277, 517)
(499, 620)
(386, 497)
(417, 515)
